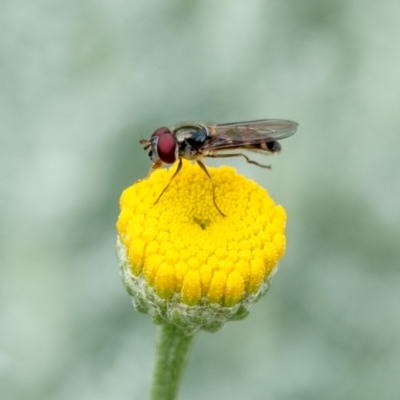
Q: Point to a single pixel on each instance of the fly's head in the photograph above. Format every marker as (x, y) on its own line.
(163, 146)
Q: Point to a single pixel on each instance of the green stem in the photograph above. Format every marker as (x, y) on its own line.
(172, 351)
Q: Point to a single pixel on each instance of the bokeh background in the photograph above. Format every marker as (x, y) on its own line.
(81, 82)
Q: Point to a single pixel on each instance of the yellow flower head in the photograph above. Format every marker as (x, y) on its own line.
(186, 264)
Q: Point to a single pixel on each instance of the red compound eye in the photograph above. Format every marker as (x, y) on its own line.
(160, 131)
(166, 147)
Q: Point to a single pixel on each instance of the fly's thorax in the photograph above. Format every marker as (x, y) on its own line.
(195, 134)
(187, 152)
(191, 139)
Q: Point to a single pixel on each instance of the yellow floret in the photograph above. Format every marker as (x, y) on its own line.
(217, 287)
(191, 288)
(185, 249)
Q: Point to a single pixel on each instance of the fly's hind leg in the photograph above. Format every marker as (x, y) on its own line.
(213, 155)
(203, 167)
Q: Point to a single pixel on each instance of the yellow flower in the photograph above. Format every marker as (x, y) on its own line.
(186, 264)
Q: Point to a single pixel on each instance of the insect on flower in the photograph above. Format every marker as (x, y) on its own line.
(195, 140)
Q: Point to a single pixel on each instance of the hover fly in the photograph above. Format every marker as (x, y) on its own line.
(194, 141)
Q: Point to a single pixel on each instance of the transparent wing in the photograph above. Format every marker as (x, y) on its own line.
(248, 134)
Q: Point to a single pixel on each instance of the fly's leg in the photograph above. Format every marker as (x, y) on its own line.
(213, 155)
(203, 167)
(152, 168)
(173, 176)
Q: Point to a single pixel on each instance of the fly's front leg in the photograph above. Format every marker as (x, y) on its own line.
(216, 155)
(173, 176)
(152, 168)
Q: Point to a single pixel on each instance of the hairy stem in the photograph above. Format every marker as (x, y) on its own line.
(172, 351)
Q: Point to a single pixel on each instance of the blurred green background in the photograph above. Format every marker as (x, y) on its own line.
(81, 82)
